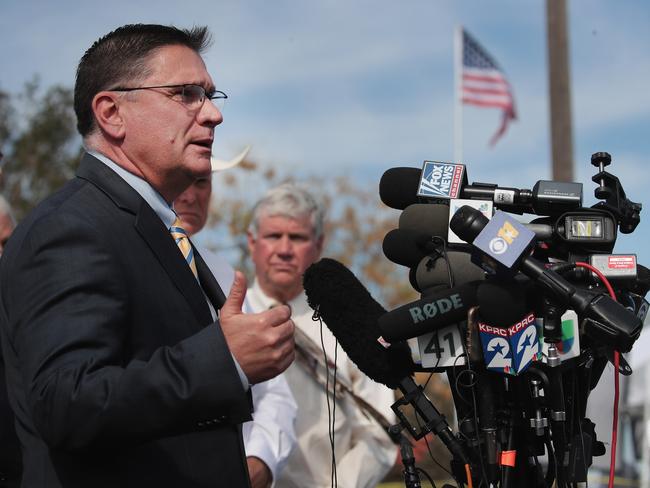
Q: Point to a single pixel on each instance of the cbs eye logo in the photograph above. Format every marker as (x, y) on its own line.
(505, 236)
(498, 246)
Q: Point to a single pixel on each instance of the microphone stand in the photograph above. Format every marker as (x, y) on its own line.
(410, 472)
(434, 421)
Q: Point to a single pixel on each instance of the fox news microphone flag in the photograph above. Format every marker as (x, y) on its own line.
(484, 84)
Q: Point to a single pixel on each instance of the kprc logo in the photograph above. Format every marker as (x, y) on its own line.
(510, 349)
(441, 180)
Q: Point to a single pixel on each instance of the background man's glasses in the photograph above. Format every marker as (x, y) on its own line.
(191, 95)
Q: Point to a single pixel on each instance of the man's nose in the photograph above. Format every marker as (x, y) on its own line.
(186, 197)
(285, 246)
(209, 114)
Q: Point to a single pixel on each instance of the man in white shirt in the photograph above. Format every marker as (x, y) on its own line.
(270, 436)
(284, 238)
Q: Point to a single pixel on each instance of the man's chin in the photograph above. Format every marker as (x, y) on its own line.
(201, 166)
(285, 279)
(190, 224)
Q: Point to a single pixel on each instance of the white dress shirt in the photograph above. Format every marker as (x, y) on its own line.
(270, 436)
(364, 452)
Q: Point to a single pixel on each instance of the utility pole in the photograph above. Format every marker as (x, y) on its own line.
(560, 90)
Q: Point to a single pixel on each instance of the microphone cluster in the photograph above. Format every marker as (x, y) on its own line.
(499, 299)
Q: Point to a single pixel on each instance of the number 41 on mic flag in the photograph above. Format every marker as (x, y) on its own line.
(484, 84)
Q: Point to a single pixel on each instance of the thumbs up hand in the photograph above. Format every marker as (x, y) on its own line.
(262, 342)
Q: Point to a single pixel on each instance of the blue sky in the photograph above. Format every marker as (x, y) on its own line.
(339, 87)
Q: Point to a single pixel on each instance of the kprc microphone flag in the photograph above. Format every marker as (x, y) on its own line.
(484, 84)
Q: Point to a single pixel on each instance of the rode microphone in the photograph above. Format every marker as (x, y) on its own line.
(608, 321)
(430, 313)
(443, 347)
(351, 314)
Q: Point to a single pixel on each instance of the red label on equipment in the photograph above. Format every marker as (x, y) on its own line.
(621, 262)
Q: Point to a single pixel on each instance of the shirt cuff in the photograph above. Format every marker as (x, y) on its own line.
(242, 376)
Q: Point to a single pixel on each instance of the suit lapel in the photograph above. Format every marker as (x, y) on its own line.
(152, 230)
(212, 289)
(157, 236)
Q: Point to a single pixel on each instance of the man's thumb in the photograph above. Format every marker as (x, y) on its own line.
(235, 300)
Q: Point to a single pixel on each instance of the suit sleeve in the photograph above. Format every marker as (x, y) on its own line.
(68, 318)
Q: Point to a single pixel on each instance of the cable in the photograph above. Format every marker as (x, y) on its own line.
(600, 275)
(468, 473)
(427, 476)
(426, 441)
(331, 410)
(617, 360)
(576, 415)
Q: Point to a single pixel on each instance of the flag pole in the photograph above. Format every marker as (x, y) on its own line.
(458, 104)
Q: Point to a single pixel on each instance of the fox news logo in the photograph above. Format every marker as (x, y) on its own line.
(441, 180)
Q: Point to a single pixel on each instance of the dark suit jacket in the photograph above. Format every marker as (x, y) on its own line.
(10, 457)
(116, 373)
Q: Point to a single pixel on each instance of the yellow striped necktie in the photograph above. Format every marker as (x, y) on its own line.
(183, 243)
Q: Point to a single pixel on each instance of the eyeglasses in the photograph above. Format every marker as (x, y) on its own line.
(191, 95)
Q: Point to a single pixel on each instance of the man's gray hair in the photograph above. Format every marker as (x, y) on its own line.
(5, 209)
(289, 200)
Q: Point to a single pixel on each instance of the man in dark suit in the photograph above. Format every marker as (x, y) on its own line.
(126, 365)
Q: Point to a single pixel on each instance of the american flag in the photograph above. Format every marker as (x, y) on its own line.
(484, 84)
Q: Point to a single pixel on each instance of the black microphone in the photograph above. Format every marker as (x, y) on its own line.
(609, 322)
(428, 218)
(502, 302)
(399, 188)
(433, 312)
(433, 219)
(351, 313)
(452, 269)
(507, 326)
(407, 247)
(505, 323)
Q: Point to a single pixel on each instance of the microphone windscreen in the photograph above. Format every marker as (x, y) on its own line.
(429, 218)
(467, 223)
(398, 187)
(502, 303)
(351, 313)
(406, 247)
(413, 280)
(431, 275)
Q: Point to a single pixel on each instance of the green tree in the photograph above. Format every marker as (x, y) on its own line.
(40, 144)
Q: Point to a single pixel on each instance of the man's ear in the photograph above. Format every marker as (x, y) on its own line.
(251, 242)
(319, 244)
(106, 107)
